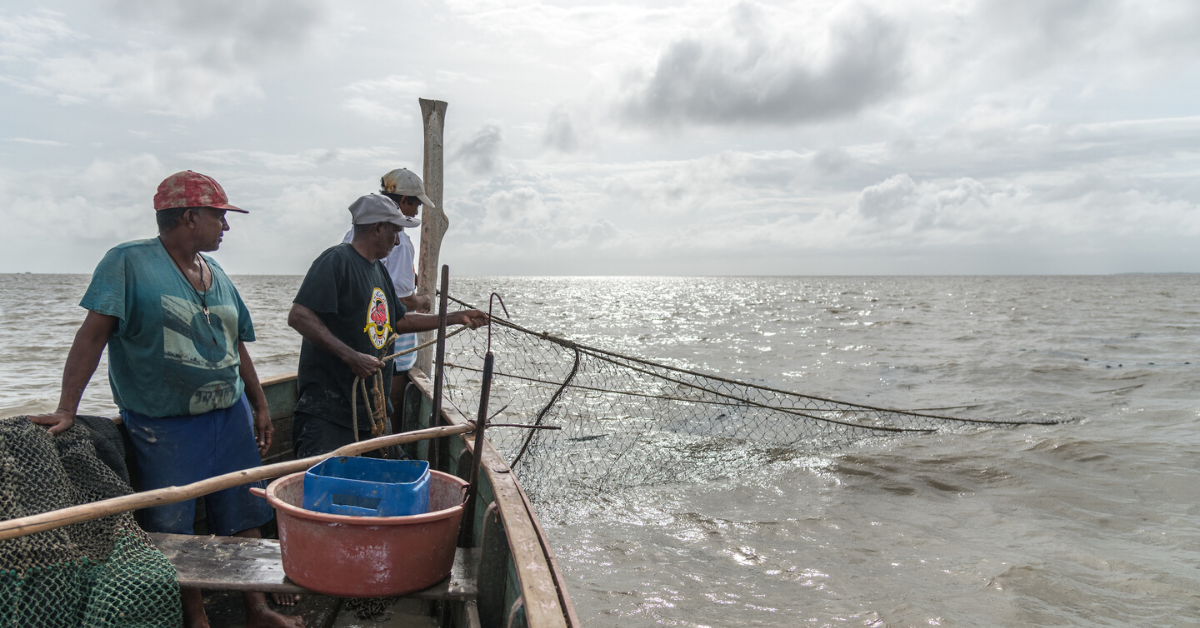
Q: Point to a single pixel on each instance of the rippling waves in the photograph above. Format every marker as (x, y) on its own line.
(1090, 523)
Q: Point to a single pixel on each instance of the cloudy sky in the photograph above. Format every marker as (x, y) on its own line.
(897, 137)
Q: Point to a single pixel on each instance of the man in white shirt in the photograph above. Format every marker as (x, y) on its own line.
(405, 188)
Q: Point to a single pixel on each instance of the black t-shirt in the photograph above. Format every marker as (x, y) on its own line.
(356, 301)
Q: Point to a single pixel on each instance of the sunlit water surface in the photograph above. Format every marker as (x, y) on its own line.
(1089, 523)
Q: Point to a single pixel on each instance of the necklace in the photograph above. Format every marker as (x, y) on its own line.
(203, 295)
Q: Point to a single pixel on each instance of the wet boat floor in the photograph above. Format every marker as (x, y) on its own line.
(256, 564)
(226, 610)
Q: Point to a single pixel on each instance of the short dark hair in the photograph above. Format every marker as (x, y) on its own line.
(360, 229)
(169, 218)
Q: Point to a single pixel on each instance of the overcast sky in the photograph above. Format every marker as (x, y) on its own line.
(960, 137)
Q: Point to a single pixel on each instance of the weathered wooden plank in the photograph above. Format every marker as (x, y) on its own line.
(564, 597)
(463, 583)
(235, 563)
(537, 580)
(516, 615)
(433, 221)
(471, 611)
(281, 394)
(226, 562)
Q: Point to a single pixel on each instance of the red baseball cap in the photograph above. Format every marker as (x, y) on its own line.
(192, 189)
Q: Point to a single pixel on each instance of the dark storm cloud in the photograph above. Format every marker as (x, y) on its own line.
(832, 161)
(172, 57)
(1038, 36)
(243, 31)
(560, 132)
(481, 153)
(750, 76)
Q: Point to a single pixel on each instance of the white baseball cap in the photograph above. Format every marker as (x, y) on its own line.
(404, 182)
(373, 208)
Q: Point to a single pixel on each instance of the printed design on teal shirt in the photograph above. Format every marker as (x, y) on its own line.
(191, 340)
(379, 324)
(211, 396)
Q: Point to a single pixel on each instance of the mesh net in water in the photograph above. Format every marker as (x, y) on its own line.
(627, 422)
(99, 573)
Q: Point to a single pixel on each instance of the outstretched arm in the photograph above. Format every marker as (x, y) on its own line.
(81, 365)
(263, 430)
(416, 303)
(426, 322)
(306, 321)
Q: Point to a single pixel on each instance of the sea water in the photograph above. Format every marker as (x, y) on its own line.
(1091, 522)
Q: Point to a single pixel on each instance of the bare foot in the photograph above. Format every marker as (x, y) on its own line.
(260, 616)
(285, 599)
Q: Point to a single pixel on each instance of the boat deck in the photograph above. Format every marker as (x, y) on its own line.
(230, 564)
(238, 564)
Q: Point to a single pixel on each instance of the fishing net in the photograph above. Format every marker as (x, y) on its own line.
(100, 573)
(626, 421)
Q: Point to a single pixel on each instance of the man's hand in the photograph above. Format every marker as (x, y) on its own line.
(471, 318)
(59, 421)
(314, 330)
(362, 364)
(263, 429)
(259, 408)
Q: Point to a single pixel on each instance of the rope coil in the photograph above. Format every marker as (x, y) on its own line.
(378, 410)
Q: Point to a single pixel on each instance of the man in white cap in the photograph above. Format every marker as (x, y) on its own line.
(405, 188)
(346, 310)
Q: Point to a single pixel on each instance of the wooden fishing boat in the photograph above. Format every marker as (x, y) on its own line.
(506, 575)
(502, 574)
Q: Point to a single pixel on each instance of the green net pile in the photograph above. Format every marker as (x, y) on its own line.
(98, 573)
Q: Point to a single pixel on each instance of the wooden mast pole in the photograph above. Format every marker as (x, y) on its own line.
(434, 221)
(23, 526)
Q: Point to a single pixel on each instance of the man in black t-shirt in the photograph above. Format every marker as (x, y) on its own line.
(346, 310)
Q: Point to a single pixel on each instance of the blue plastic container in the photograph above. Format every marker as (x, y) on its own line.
(367, 487)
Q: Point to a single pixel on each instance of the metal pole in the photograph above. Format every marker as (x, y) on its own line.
(23, 526)
(439, 369)
(467, 532)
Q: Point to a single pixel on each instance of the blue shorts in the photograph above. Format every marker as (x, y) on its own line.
(174, 451)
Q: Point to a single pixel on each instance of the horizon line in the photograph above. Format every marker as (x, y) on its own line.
(660, 276)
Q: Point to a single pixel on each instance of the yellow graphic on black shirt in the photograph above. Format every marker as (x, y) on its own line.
(379, 324)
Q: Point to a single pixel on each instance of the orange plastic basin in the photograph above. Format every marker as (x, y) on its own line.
(367, 556)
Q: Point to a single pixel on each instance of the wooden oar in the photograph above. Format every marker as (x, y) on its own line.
(24, 526)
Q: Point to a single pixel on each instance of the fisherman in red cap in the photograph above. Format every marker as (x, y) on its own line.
(176, 329)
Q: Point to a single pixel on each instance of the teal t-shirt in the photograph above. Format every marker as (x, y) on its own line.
(164, 358)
